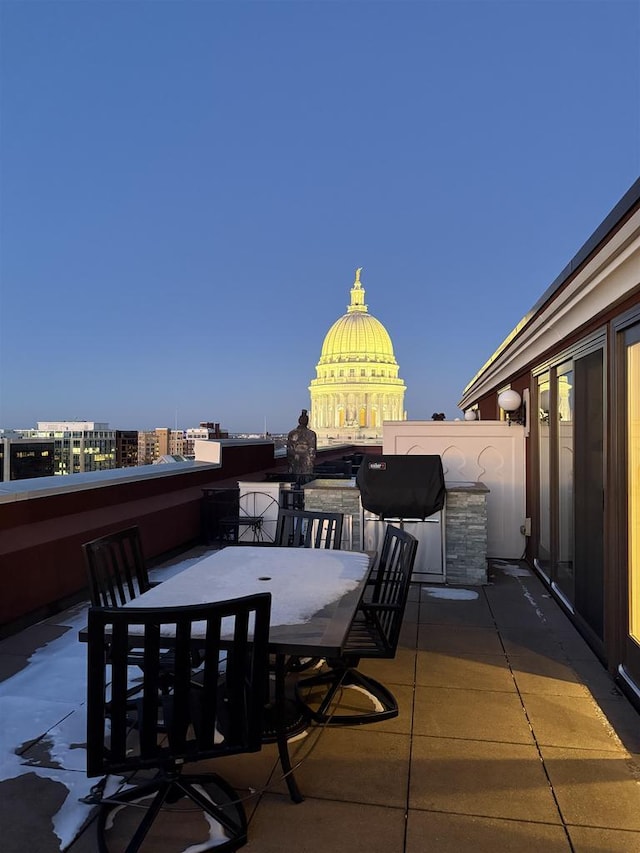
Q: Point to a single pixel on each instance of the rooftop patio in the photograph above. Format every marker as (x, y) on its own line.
(511, 737)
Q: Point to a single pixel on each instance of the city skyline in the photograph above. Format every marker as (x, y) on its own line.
(188, 189)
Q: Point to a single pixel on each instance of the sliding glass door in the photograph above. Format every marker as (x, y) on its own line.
(563, 576)
(570, 466)
(588, 511)
(632, 497)
(544, 475)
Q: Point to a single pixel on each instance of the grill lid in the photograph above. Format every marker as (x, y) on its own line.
(402, 486)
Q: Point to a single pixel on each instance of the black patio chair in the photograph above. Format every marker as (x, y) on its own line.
(116, 568)
(221, 716)
(374, 633)
(117, 574)
(309, 529)
(292, 498)
(218, 506)
(299, 528)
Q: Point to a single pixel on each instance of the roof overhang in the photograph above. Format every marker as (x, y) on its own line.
(604, 272)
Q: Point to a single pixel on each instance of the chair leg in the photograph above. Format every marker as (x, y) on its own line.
(133, 795)
(231, 815)
(385, 704)
(169, 789)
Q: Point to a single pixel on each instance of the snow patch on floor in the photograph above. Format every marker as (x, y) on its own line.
(450, 594)
(514, 570)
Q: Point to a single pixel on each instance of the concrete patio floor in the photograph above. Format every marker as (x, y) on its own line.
(511, 737)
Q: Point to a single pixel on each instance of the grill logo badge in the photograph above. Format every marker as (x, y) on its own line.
(377, 466)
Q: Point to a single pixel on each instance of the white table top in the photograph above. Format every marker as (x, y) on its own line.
(314, 591)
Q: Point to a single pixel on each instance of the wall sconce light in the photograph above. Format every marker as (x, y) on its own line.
(511, 403)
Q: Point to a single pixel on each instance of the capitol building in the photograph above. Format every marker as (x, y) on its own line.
(357, 386)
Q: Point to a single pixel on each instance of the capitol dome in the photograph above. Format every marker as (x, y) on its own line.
(357, 384)
(357, 334)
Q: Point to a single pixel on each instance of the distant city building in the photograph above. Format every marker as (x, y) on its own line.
(207, 431)
(148, 447)
(177, 442)
(162, 441)
(357, 385)
(126, 448)
(74, 447)
(79, 446)
(155, 443)
(25, 458)
(174, 442)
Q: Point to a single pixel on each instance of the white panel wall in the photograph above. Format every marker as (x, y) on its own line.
(207, 451)
(490, 452)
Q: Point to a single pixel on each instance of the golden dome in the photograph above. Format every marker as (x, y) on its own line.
(357, 335)
(357, 386)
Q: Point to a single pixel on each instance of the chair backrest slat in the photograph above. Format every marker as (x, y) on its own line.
(116, 568)
(118, 647)
(309, 529)
(176, 715)
(384, 608)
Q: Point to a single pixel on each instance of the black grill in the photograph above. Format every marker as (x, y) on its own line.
(402, 486)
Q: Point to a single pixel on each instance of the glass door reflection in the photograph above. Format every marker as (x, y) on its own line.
(543, 549)
(564, 568)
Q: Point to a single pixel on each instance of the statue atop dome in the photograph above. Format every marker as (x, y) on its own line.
(357, 295)
(301, 450)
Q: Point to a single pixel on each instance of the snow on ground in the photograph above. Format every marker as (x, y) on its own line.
(44, 702)
(450, 593)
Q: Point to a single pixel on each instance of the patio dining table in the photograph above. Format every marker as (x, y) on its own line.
(314, 596)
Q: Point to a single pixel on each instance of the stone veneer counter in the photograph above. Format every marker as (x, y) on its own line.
(466, 533)
(335, 495)
(465, 519)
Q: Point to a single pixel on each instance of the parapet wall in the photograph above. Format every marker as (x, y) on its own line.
(45, 521)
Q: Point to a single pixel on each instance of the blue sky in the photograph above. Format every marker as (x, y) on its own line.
(188, 188)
